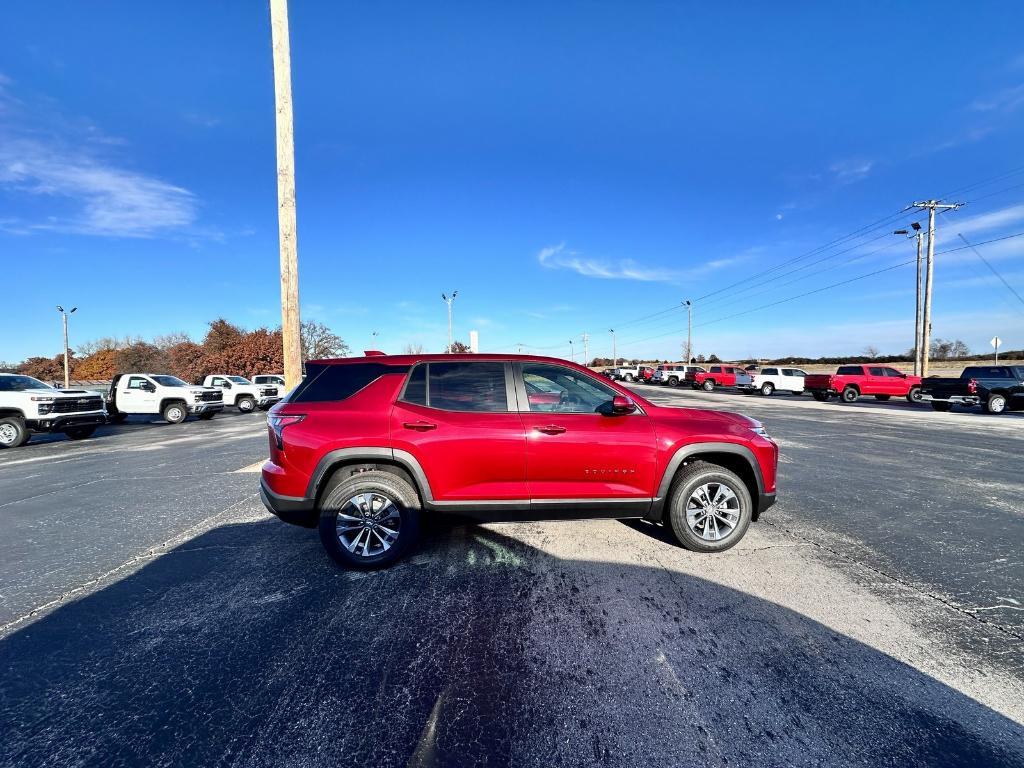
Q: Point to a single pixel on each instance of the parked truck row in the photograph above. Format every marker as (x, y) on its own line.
(29, 406)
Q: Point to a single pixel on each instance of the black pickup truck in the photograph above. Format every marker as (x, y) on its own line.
(994, 387)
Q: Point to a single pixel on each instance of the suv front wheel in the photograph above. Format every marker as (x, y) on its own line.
(710, 508)
(369, 520)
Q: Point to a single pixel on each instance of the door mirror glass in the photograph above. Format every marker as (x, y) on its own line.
(622, 405)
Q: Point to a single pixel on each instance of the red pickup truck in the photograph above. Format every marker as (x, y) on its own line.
(852, 381)
(718, 376)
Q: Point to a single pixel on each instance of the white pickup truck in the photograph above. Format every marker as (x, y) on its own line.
(772, 378)
(273, 379)
(28, 405)
(157, 393)
(242, 393)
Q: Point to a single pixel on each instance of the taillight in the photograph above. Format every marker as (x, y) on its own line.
(277, 425)
(972, 386)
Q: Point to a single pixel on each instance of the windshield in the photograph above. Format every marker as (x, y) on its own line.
(21, 383)
(169, 381)
(239, 380)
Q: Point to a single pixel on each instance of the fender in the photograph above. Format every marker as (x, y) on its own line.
(369, 453)
(696, 449)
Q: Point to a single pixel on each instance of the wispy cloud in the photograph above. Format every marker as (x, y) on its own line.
(561, 258)
(849, 171)
(1006, 100)
(66, 166)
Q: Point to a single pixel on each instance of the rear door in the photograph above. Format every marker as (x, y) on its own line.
(577, 456)
(459, 420)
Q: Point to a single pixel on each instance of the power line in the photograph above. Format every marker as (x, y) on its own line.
(977, 253)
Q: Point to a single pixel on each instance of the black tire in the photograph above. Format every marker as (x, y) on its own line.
(944, 407)
(821, 397)
(246, 404)
(850, 395)
(382, 484)
(914, 395)
(883, 398)
(708, 385)
(673, 381)
(767, 388)
(686, 483)
(117, 418)
(797, 393)
(79, 433)
(13, 432)
(628, 377)
(995, 403)
(174, 412)
(207, 416)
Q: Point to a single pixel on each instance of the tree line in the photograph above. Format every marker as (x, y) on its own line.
(226, 348)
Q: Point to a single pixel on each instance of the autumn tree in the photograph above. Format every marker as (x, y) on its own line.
(44, 368)
(221, 336)
(101, 364)
(458, 347)
(319, 342)
(188, 361)
(256, 352)
(141, 357)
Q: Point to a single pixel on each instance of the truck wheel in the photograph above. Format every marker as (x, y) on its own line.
(369, 520)
(13, 432)
(850, 395)
(941, 406)
(79, 433)
(821, 397)
(628, 377)
(710, 508)
(246, 404)
(767, 388)
(708, 385)
(175, 413)
(883, 398)
(914, 395)
(673, 381)
(995, 404)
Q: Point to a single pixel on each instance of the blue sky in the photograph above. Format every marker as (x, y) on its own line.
(567, 167)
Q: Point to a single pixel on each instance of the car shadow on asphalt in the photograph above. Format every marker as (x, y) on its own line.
(246, 646)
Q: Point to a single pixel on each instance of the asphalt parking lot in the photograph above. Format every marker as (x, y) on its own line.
(152, 613)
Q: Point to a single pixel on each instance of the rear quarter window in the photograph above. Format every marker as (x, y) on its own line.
(329, 383)
(849, 370)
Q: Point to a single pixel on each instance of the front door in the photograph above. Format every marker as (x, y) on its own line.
(138, 396)
(459, 422)
(577, 453)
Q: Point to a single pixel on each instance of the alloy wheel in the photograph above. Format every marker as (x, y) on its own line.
(369, 524)
(713, 511)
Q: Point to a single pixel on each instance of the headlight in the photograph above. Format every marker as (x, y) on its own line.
(42, 399)
(45, 408)
(197, 392)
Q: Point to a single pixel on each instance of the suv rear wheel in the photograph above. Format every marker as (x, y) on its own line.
(369, 520)
(710, 508)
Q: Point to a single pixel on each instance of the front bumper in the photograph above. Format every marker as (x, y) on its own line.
(764, 500)
(290, 509)
(206, 407)
(60, 422)
(267, 402)
(968, 400)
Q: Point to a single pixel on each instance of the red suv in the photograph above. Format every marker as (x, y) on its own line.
(364, 447)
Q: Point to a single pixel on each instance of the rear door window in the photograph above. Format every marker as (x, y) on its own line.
(458, 386)
(771, 372)
(876, 371)
(849, 370)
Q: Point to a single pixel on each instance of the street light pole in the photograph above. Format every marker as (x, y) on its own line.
(917, 311)
(586, 349)
(689, 331)
(615, 355)
(67, 371)
(572, 354)
(448, 300)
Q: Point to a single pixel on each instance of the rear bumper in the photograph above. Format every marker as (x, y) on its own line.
(290, 509)
(952, 399)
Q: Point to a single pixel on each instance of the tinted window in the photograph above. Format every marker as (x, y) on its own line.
(716, 369)
(892, 373)
(877, 372)
(985, 372)
(20, 384)
(416, 387)
(324, 383)
(771, 372)
(849, 370)
(467, 386)
(554, 389)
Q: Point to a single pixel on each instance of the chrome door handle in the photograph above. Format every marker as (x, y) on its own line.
(419, 426)
(551, 429)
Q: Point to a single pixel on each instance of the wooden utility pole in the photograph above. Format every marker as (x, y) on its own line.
(926, 322)
(918, 325)
(290, 322)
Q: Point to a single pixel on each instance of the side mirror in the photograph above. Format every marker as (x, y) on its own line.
(622, 405)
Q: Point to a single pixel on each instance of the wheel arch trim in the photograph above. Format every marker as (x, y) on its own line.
(333, 459)
(695, 450)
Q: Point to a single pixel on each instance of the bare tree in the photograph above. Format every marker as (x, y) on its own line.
(414, 349)
(168, 340)
(458, 347)
(870, 351)
(319, 342)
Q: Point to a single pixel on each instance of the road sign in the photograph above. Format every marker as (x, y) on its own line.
(996, 341)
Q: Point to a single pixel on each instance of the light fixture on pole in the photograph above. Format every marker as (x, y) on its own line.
(67, 372)
(448, 300)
